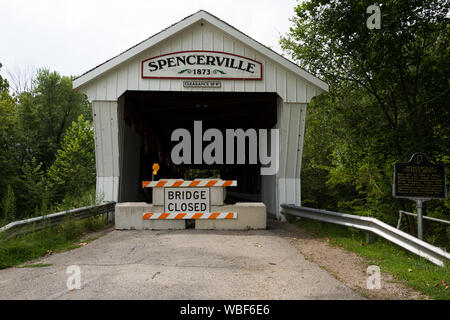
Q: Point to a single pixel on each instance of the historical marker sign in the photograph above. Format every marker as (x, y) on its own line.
(187, 200)
(419, 179)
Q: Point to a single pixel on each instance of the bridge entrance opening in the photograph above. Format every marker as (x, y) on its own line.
(149, 119)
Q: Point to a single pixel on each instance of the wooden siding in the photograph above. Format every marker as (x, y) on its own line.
(127, 76)
(106, 135)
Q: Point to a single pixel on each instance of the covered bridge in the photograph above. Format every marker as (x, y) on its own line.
(200, 68)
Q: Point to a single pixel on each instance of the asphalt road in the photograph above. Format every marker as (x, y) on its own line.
(183, 264)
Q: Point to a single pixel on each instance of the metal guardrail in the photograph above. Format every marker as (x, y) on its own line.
(434, 254)
(53, 219)
(401, 213)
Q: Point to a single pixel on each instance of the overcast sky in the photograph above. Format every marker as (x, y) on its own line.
(73, 36)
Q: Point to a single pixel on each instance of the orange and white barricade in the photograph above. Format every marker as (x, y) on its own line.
(192, 215)
(185, 183)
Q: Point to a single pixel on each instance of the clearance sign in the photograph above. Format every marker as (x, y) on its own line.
(201, 65)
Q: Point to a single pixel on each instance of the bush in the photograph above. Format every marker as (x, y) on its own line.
(74, 168)
(9, 205)
(31, 187)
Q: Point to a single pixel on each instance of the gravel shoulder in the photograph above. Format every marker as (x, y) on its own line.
(346, 266)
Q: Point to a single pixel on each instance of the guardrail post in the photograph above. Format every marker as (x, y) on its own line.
(110, 214)
(399, 219)
(370, 237)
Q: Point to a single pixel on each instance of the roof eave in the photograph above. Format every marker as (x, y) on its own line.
(126, 55)
(186, 22)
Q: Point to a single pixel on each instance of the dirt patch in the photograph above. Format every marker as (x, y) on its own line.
(346, 266)
(97, 234)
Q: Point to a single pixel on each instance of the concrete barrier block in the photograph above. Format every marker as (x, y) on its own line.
(217, 195)
(158, 196)
(128, 216)
(125, 215)
(250, 215)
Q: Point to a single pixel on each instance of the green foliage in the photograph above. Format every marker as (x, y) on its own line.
(73, 170)
(32, 129)
(31, 182)
(45, 114)
(192, 174)
(87, 198)
(8, 139)
(36, 244)
(389, 95)
(9, 205)
(37, 265)
(400, 72)
(32, 245)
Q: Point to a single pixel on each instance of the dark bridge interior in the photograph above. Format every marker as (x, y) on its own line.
(155, 115)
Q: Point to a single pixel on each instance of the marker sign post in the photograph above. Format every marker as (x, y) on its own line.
(419, 180)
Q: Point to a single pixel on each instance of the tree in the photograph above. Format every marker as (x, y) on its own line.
(45, 113)
(404, 66)
(8, 205)
(4, 85)
(31, 187)
(389, 93)
(73, 171)
(8, 137)
(22, 79)
(33, 124)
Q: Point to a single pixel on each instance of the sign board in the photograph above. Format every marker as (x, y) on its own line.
(188, 200)
(202, 84)
(419, 179)
(213, 65)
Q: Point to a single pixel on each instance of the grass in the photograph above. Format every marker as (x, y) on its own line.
(37, 265)
(36, 244)
(414, 271)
